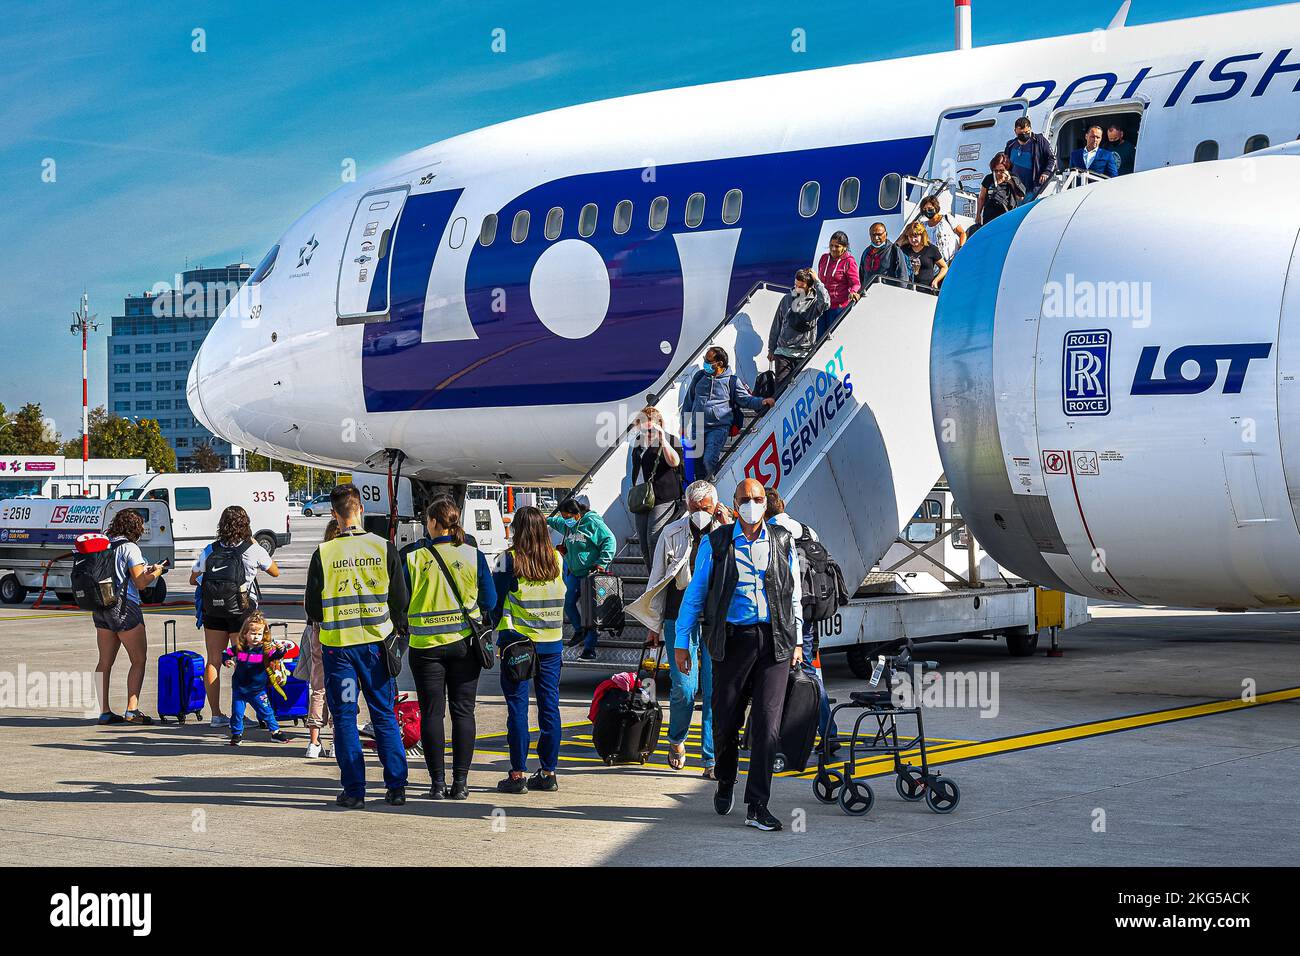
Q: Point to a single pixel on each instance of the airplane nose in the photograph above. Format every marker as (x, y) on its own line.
(194, 394)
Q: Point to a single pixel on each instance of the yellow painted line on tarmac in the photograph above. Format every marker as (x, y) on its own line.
(988, 748)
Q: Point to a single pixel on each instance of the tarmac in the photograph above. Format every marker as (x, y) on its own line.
(1160, 737)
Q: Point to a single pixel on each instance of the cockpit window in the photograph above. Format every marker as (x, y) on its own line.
(265, 266)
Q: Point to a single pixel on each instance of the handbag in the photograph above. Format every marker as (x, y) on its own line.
(518, 656)
(641, 498)
(396, 645)
(480, 631)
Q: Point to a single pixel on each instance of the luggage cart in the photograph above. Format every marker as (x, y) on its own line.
(877, 704)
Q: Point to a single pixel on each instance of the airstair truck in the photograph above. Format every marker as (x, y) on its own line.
(37, 537)
(850, 445)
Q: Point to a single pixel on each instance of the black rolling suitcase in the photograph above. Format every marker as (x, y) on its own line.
(627, 725)
(800, 716)
(600, 602)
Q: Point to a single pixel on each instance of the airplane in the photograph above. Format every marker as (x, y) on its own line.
(478, 304)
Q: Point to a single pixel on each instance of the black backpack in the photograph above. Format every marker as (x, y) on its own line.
(95, 586)
(225, 592)
(822, 580)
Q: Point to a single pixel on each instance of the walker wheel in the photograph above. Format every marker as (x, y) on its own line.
(827, 785)
(857, 798)
(943, 795)
(910, 784)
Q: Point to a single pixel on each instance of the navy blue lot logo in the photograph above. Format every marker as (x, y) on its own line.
(1085, 372)
(1205, 359)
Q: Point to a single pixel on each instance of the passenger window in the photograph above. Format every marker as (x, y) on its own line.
(554, 223)
(488, 231)
(458, 232)
(193, 499)
(623, 217)
(1257, 142)
(731, 204)
(850, 189)
(695, 210)
(587, 220)
(659, 213)
(1206, 152)
(519, 230)
(809, 199)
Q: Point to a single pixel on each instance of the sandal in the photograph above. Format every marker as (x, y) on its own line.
(708, 774)
(136, 717)
(677, 756)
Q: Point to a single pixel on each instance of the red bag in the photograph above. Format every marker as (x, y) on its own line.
(407, 713)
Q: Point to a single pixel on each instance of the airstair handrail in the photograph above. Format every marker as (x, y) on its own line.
(803, 362)
(653, 398)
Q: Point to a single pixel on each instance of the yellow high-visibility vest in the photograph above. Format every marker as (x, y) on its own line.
(354, 603)
(535, 609)
(434, 617)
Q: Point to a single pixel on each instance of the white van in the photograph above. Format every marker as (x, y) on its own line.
(196, 500)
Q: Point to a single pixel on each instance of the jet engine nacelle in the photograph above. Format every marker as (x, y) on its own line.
(1116, 386)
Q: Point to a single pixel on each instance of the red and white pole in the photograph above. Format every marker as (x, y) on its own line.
(85, 323)
(961, 12)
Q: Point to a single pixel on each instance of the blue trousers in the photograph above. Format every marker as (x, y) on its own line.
(546, 685)
(572, 589)
(350, 673)
(824, 725)
(715, 437)
(681, 702)
(259, 701)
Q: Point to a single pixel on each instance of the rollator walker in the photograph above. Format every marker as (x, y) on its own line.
(913, 783)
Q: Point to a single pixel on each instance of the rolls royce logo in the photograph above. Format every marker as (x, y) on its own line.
(1085, 372)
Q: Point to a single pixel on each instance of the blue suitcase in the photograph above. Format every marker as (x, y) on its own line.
(293, 706)
(180, 680)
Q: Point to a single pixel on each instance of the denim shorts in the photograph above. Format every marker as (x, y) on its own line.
(124, 617)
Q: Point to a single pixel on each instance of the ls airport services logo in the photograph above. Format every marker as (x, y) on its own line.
(1085, 372)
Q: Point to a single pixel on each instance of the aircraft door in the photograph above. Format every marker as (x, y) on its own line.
(363, 273)
(967, 137)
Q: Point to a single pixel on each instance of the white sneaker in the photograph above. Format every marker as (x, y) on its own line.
(219, 721)
(314, 750)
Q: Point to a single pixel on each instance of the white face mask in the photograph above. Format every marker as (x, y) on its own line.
(752, 511)
(701, 519)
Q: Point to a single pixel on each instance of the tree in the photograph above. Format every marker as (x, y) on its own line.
(205, 459)
(29, 432)
(114, 437)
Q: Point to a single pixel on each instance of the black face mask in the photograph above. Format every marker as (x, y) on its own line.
(1022, 137)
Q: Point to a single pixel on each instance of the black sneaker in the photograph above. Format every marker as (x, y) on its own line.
(512, 785)
(759, 818)
(577, 639)
(543, 781)
(236, 739)
(588, 655)
(280, 737)
(396, 797)
(136, 717)
(350, 803)
(459, 790)
(725, 798)
(438, 791)
(108, 717)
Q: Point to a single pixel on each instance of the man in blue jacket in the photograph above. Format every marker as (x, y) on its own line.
(1094, 157)
(1032, 159)
(713, 400)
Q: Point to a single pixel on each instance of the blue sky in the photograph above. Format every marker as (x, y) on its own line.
(164, 155)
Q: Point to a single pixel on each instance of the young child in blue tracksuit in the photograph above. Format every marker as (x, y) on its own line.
(253, 652)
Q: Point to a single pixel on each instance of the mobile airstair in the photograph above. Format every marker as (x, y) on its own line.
(850, 445)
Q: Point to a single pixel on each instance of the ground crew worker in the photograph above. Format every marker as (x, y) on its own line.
(533, 608)
(446, 673)
(357, 594)
(745, 590)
